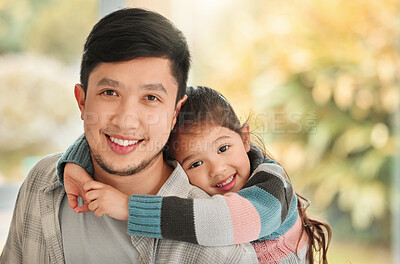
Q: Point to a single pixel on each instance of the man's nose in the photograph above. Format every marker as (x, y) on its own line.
(127, 117)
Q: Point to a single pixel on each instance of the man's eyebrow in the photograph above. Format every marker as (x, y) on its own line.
(154, 87)
(109, 82)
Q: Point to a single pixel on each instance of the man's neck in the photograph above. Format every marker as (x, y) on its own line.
(147, 181)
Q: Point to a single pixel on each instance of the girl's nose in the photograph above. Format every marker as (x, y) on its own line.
(218, 168)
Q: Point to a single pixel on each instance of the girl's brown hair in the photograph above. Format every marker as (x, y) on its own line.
(207, 107)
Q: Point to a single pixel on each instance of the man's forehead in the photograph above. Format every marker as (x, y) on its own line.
(151, 61)
(149, 73)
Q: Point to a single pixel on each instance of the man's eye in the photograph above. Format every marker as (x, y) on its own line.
(151, 97)
(196, 164)
(223, 149)
(110, 92)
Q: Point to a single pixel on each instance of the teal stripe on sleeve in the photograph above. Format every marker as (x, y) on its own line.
(291, 218)
(267, 206)
(288, 223)
(145, 215)
(78, 153)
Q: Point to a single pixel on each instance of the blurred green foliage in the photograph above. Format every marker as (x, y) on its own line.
(41, 42)
(62, 28)
(37, 108)
(51, 27)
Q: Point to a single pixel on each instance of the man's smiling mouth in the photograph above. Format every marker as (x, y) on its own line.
(121, 145)
(122, 142)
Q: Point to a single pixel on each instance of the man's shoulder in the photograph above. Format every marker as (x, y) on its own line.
(48, 161)
(44, 172)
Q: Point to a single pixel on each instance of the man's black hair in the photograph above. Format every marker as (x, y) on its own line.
(133, 33)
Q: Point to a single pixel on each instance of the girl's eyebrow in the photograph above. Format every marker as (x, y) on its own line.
(217, 139)
(221, 137)
(187, 158)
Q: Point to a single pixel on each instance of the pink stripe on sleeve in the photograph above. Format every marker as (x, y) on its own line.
(275, 250)
(245, 218)
(293, 234)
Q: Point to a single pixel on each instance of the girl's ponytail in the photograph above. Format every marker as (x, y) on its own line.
(319, 233)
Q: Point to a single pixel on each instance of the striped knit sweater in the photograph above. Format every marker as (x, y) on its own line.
(263, 211)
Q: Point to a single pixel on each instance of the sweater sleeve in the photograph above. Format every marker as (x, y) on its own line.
(78, 153)
(257, 211)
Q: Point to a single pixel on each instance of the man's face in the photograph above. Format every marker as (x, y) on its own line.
(128, 113)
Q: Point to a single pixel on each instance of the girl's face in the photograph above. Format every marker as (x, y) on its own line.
(215, 158)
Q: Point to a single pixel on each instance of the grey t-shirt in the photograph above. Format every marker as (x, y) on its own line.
(90, 239)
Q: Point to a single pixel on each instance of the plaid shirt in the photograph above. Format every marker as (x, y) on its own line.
(35, 233)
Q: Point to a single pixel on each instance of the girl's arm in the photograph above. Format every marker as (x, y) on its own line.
(266, 208)
(75, 177)
(78, 153)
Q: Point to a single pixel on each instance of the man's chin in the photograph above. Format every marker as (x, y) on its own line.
(122, 169)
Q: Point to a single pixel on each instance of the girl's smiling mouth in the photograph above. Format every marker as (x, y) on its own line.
(227, 184)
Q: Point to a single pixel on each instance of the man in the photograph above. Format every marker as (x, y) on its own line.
(133, 77)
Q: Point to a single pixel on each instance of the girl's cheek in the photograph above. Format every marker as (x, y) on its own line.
(192, 179)
(198, 179)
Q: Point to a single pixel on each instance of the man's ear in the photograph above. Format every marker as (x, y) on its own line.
(80, 98)
(246, 137)
(178, 109)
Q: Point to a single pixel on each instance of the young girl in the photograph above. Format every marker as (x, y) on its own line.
(251, 201)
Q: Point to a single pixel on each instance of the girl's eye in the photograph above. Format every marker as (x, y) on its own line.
(196, 164)
(151, 97)
(223, 149)
(110, 92)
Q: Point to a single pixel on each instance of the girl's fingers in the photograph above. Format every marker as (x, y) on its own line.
(92, 185)
(93, 205)
(98, 213)
(92, 195)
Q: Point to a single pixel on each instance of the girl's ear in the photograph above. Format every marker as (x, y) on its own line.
(246, 137)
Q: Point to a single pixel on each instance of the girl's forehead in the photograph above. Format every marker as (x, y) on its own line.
(206, 131)
(203, 140)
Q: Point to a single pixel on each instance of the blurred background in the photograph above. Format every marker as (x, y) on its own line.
(318, 81)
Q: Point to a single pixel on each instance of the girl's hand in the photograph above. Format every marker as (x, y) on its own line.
(74, 179)
(104, 199)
